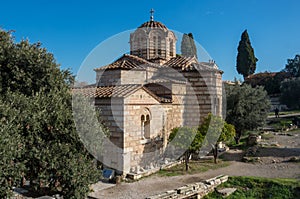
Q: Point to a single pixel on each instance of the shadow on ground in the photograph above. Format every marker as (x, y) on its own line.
(278, 152)
(233, 155)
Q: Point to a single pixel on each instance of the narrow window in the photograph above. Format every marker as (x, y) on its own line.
(154, 46)
(147, 127)
(159, 45)
(143, 126)
(171, 48)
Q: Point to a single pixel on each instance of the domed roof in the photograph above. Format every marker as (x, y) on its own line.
(153, 24)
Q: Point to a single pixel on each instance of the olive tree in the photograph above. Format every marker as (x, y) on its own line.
(37, 124)
(247, 107)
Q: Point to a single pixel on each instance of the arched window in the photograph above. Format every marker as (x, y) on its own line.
(154, 46)
(142, 46)
(145, 126)
(159, 45)
(171, 48)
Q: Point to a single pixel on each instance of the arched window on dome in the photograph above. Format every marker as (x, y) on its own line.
(159, 46)
(171, 48)
(154, 46)
(142, 46)
(138, 46)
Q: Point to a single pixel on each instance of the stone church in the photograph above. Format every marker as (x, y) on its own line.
(145, 94)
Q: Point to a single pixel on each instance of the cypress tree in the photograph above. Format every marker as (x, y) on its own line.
(246, 60)
(188, 47)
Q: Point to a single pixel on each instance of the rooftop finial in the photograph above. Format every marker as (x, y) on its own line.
(151, 14)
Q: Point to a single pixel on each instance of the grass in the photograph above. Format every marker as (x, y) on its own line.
(194, 167)
(280, 123)
(255, 187)
(267, 136)
(285, 112)
(242, 145)
(289, 112)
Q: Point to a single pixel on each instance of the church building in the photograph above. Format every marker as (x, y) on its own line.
(145, 94)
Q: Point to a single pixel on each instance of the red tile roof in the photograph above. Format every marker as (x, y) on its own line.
(190, 63)
(153, 24)
(116, 91)
(181, 62)
(126, 62)
(107, 91)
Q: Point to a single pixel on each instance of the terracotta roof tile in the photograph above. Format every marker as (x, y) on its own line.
(207, 66)
(190, 63)
(107, 91)
(181, 62)
(165, 80)
(116, 91)
(153, 24)
(126, 62)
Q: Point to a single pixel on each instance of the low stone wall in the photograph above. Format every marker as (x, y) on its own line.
(136, 176)
(195, 190)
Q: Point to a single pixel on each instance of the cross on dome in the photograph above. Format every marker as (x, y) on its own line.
(151, 14)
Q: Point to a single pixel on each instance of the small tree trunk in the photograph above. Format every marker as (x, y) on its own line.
(215, 152)
(186, 157)
(238, 136)
(237, 140)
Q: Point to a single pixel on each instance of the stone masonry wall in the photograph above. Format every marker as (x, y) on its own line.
(137, 104)
(204, 95)
(120, 77)
(133, 76)
(195, 190)
(108, 77)
(112, 114)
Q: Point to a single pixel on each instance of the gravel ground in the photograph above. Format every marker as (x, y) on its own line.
(272, 164)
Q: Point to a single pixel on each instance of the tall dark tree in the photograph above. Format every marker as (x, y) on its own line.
(247, 107)
(246, 60)
(293, 66)
(188, 47)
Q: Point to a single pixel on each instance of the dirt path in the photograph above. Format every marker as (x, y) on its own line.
(272, 164)
(155, 184)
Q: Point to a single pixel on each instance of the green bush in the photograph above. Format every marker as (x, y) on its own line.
(254, 187)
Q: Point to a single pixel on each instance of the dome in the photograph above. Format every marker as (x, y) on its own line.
(153, 24)
(153, 41)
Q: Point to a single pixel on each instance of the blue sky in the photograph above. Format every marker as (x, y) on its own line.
(72, 29)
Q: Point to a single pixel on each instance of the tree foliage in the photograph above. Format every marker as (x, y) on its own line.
(186, 140)
(188, 47)
(89, 124)
(247, 107)
(290, 93)
(190, 140)
(37, 124)
(293, 66)
(215, 130)
(11, 149)
(270, 81)
(27, 68)
(246, 60)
